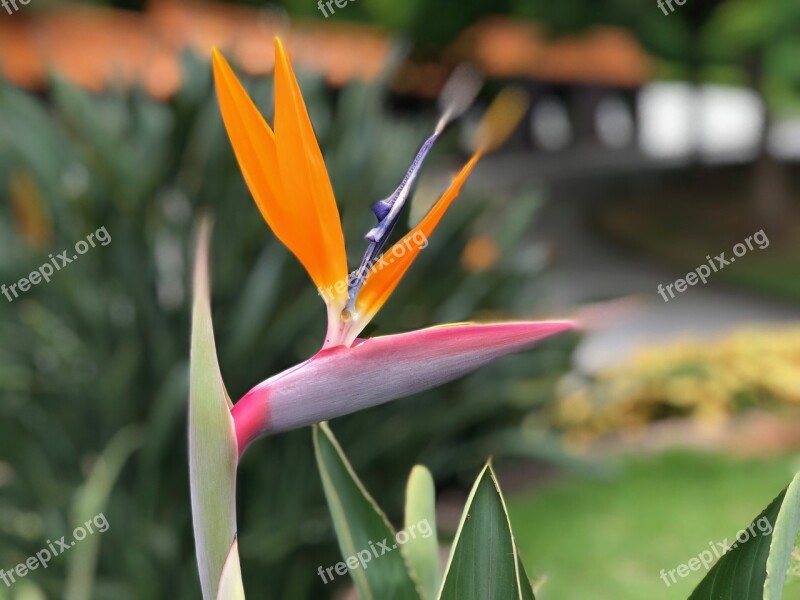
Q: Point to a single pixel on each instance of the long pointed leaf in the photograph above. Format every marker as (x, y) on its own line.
(741, 572)
(422, 553)
(212, 439)
(89, 503)
(783, 541)
(526, 589)
(484, 562)
(365, 535)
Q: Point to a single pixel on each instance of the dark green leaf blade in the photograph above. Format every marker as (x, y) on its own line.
(366, 538)
(783, 541)
(524, 582)
(741, 572)
(484, 559)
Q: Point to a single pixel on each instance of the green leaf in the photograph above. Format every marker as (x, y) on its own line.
(484, 561)
(741, 573)
(422, 553)
(212, 438)
(783, 540)
(89, 503)
(230, 583)
(366, 538)
(526, 592)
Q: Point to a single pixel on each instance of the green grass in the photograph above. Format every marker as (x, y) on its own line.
(609, 539)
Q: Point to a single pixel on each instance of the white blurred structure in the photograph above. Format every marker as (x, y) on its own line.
(719, 123)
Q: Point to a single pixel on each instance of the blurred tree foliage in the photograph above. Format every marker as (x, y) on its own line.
(94, 363)
(763, 39)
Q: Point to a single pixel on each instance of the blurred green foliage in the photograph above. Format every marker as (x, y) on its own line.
(103, 347)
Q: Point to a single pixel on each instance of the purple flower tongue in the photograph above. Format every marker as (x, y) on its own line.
(388, 213)
(456, 97)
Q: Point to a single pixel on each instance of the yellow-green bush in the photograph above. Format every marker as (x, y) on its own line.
(706, 381)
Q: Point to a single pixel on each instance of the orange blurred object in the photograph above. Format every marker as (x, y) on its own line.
(504, 47)
(93, 47)
(31, 219)
(480, 253)
(100, 48)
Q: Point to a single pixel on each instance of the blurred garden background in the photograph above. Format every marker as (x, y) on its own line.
(657, 138)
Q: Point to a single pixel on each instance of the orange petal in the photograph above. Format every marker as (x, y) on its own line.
(305, 179)
(295, 217)
(385, 276)
(254, 145)
(501, 118)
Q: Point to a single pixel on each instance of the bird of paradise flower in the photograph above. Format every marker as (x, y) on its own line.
(286, 174)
